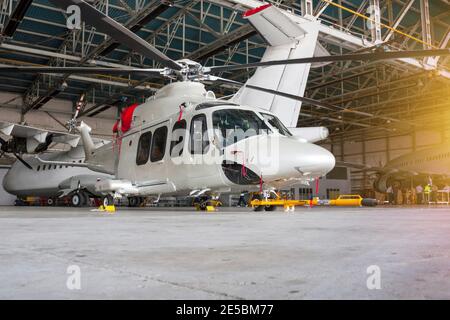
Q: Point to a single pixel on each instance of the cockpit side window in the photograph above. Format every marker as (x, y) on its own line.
(199, 142)
(276, 124)
(233, 125)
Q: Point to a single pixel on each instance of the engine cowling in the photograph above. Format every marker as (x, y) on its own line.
(381, 183)
(310, 134)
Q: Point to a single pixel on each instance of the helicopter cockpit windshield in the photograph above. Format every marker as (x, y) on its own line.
(276, 124)
(233, 125)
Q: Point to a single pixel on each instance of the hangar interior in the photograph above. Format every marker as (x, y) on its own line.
(380, 110)
(372, 111)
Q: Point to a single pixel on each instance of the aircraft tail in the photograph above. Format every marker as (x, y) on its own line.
(287, 40)
(88, 143)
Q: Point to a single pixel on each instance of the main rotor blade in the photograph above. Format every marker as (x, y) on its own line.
(375, 56)
(23, 161)
(79, 70)
(223, 80)
(118, 32)
(295, 97)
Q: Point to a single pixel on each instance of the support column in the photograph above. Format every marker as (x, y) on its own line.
(376, 27)
(426, 23)
(307, 8)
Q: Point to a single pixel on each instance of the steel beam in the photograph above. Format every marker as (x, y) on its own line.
(16, 17)
(399, 19)
(426, 23)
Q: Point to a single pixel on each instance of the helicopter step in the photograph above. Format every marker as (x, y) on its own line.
(126, 187)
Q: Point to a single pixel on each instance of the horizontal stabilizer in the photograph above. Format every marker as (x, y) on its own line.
(40, 135)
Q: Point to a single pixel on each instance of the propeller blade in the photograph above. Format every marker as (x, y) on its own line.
(117, 31)
(79, 70)
(23, 161)
(222, 80)
(295, 97)
(374, 56)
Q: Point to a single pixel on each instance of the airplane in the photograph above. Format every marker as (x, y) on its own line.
(185, 141)
(423, 164)
(54, 181)
(27, 177)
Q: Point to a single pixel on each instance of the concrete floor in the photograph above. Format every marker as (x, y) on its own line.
(166, 254)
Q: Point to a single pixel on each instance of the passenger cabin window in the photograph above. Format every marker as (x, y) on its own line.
(178, 136)
(233, 125)
(143, 150)
(199, 142)
(277, 124)
(159, 144)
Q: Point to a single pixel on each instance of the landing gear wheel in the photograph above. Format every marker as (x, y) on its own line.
(108, 201)
(51, 202)
(77, 200)
(134, 202)
(203, 205)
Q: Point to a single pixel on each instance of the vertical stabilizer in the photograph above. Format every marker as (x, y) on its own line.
(88, 143)
(287, 40)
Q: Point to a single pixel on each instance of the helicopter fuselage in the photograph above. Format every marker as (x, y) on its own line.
(184, 141)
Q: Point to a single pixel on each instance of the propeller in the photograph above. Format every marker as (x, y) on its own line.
(195, 72)
(82, 70)
(191, 70)
(313, 102)
(186, 69)
(81, 103)
(4, 146)
(373, 56)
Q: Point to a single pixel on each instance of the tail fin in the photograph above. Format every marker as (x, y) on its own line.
(287, 40)
(88, 143)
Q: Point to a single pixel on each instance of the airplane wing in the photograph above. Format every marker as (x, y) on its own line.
(381, 170)
(359, 166)
(38, 135)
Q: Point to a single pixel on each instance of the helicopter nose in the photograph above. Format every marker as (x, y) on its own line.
(313, 160)
(284, 158)
(298, 159)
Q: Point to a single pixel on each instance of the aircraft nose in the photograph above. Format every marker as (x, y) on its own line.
(313, 160)
(291, 158)
(282, 158)
(8, 182)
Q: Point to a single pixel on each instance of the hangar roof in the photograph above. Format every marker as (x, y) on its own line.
(371, 99)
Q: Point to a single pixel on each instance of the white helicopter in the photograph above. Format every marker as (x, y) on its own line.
(184, 141)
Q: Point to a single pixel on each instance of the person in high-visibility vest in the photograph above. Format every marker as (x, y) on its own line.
(427, 193)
